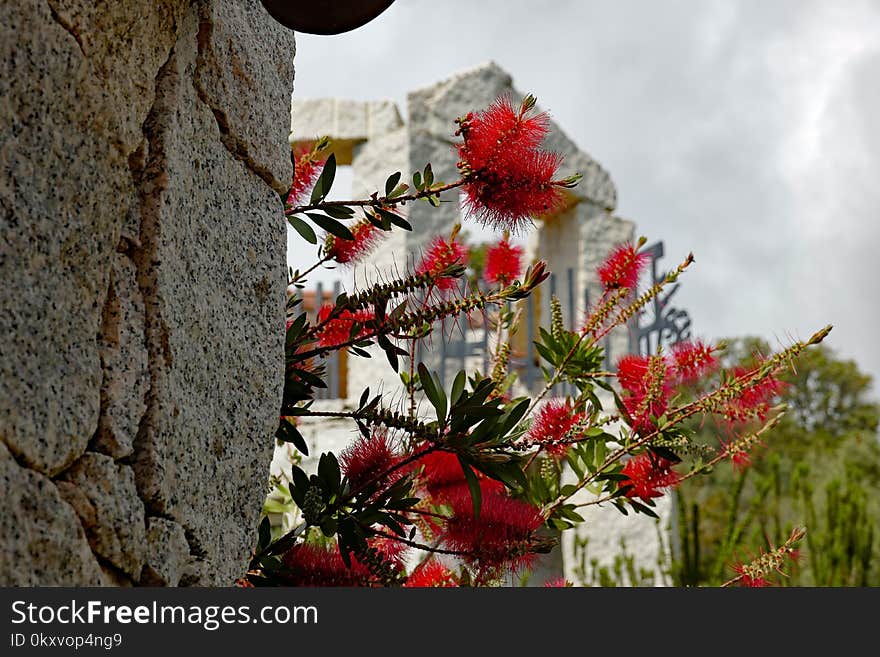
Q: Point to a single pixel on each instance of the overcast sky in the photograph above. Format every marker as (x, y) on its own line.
(746, 132)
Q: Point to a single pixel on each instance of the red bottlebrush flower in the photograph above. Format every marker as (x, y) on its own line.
(431, 574)
(551, 424)
(307, 167)
(751, 580)
(511, 199)
(503, 263)
(622, 267)
(557, 583)
(693, 360)
(631, 371)
(649, 476)
(367, 458)
(366, 237)
(439, 256)
(500, 132)
(310, 565)
(338, 330)
(500, 536)
(509, 179)
(754, 401)
(648, 382)
(443, 477)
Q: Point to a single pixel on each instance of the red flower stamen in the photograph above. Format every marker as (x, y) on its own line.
(622, 267)
(503, 263)
(338, 330)
(693, 360)
(310, 565)
(442, 477)
(431, 574)
(509, 179)
(367, 458)
(551, 424)
(648, 476)
(500, 536)
(366, 237)
(307, 167)
(439, 256)
(754, 401)
(648, 382)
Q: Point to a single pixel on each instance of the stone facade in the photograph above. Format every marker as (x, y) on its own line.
(371, 137)
(143, 151)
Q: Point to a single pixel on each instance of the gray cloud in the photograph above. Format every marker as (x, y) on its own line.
(744, 132)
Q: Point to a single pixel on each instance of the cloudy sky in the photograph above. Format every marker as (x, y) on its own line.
(746, 132)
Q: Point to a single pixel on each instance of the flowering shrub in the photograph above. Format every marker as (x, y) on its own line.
(468, 490)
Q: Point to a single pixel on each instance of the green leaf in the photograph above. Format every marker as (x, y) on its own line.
(331, 226)
(310, 378)
(457, 387)
(400, 189)
(391, 183)
(512, 417)
(303, 229)
(325, 180)
(329, 472)
(441, 398)
(429, 175)
(338, 211)
(417, 181)
(395, 219)
(290, 434)
(474, 486)
(432, 393)
(265, 533)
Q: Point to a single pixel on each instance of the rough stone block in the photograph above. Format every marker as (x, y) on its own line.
(167, 553)
(42, 540)
(123, 363)
(245, 60)
(104, 495)
(211, 266)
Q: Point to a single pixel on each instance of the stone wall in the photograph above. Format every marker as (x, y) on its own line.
(143, 150)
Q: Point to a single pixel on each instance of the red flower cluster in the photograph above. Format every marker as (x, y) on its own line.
(367, 458)
(693, 360)
(503, 263)
(366, 236)
(338, 330)
(751, 581)
(440, 255)
(509, 179)
(310, 565)
(557, 583)
(648, 475)
(502, 534)
(755, 400)
(551, 424)
(443, 478)
(431, 574)
(649, 385)
(622, 267)
(307, 167)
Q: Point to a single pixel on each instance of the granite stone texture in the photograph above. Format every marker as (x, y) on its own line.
(143, 148)
(43, 542)
(103, 494)
(167, 553)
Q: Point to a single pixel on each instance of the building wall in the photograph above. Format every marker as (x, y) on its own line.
(143, 151)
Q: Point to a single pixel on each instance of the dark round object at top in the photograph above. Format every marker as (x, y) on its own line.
(325, 16)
